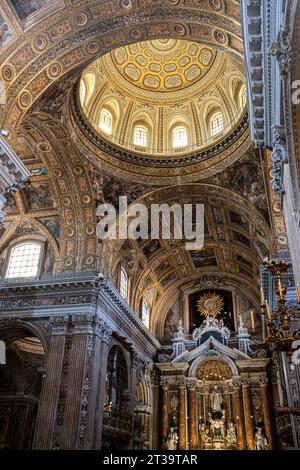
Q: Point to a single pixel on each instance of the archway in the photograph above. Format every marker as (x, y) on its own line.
(20, 384)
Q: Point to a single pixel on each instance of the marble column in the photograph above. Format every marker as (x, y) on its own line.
(46, 416)
(248, 416)
(193, 417)
(154, 416)
(165, 416)
(226, 398)
(266, 411)
(206, 405)
(239, 418)
(104, 333)
(182, 416)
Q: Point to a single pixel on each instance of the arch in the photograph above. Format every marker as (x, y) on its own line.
(202, 359)
(12, 330)
(81, 43)
(116, 380)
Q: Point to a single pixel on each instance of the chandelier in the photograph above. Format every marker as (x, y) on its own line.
(277, 326)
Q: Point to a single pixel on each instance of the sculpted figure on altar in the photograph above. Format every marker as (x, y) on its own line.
(260, 440)
(217, 426)
(216, 400)
(231, 438)
(172, 440)
(204, 435)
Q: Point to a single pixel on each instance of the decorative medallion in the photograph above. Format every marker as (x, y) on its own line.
(210, 304)
(80, 19)
(40, 43)
(8, 73)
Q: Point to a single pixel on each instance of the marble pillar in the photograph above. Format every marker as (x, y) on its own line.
(192, 417)
(182, 416)
(266, 411)
(104, 334)
(46, 416)
(165, 416)
(248, 416)
(238, 413)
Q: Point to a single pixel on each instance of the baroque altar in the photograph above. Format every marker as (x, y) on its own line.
(215, 393)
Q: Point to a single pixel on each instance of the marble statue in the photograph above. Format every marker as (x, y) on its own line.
(172, 440)
(231, 435)
(204, 434)
(216, 400)
(260, 440)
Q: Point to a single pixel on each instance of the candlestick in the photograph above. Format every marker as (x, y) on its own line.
(298, 293)
(262, 295)
(252, 320)
(268, 311)
(280, 289)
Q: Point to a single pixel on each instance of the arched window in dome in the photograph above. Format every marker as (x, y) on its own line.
(24, 260)
(217, 124)
(141, 136)
(243, 96)
(82, 92)
(123, 283)
(106, 121)
(179, 137)
(145, 314)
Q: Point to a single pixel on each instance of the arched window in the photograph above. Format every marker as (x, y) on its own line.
(82, 92)
(180, 137)
(123, 283)
(217, 124)
(145, 314)
(105, 121)
(141, 136)
(244, 97)
(24, 260)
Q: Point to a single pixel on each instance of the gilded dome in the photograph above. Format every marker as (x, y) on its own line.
(163, 64)
(163, 102)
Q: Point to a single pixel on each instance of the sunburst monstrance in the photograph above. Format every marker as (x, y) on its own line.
(210, 304)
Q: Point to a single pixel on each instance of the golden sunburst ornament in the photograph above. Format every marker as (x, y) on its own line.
(210, 304)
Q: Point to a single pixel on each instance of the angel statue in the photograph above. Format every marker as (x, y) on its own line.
(231, 435)
(260, 440)
(172, 440)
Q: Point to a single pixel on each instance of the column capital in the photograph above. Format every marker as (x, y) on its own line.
(263, 381)
(103, 330)
(83, 323)
(181, 384)
(164, 386)
(59, 325)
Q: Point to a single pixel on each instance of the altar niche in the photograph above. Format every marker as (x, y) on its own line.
(223, 297)
(215, 406)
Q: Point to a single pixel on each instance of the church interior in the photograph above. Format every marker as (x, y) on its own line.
(143, 344)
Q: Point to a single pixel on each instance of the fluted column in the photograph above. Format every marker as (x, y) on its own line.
(182, 416)
(239, 418)
(266, 411)
(165, 415)
(46, 417)
(227, 407)
(192, 417)
(248, 416)
(104, 333)
(206, 404)
(154, 416)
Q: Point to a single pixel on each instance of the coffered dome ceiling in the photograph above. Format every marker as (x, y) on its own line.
(163, 64)
(163, 85)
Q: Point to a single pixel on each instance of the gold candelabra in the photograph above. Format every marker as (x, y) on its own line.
(277, 334)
